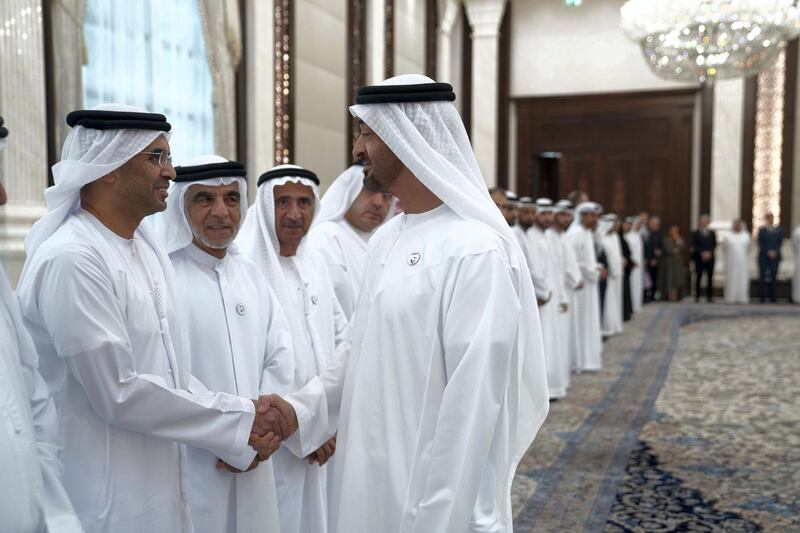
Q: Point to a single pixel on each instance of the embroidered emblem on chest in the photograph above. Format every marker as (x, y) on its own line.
(414, 258)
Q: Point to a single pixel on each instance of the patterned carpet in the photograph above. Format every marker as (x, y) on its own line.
(692, 425)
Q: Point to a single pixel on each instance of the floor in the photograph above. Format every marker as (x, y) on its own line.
(692, 425)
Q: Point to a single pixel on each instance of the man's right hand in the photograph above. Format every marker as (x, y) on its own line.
(272, 411)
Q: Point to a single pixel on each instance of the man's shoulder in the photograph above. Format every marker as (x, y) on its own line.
(460, 237)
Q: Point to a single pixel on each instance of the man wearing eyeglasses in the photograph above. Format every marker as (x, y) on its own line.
(98, 296)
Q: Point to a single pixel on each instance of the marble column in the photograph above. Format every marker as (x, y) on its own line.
(485, 17)
(449, 11)
(23, 165)
(260, 90)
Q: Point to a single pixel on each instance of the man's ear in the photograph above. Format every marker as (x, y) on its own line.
(112, 176)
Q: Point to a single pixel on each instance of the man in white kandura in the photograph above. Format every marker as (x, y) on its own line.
(32, 498)
(737, 259)
(609, 242)
(525, 218)
(238, 335)
(98, 297)
(587, 302)
(441, 386)
(550, 296)
(568, 279)
(348, 216)
(634, 239)
(273, 238)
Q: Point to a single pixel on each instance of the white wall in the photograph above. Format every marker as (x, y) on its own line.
(409, 37)
(321, 89)
(560, 50)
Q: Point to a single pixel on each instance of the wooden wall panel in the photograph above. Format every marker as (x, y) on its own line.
(630, 152)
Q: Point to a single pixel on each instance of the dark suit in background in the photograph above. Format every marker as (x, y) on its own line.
(704, 241)
(652, 256)
(770, 241)
(627, 303)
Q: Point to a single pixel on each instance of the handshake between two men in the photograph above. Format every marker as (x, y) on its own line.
(274, 422)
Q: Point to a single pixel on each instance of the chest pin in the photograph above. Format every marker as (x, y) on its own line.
(241, 310)
(414, 258)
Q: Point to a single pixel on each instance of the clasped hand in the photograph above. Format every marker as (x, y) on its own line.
(275, 421)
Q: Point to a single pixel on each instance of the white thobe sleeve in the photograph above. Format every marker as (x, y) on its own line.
(317, 404)
(278, 372)
(478, 349)
(87, 325)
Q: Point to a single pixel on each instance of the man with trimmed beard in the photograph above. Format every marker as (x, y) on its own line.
(273, 237)
(349, 215)
(587, 300)
(568, 279)
(550, 294)
(439, 388)
(238, 335)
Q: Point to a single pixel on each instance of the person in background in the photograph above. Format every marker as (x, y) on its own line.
(737, 278)
(671, 271)
(770, 240)
(704, 243)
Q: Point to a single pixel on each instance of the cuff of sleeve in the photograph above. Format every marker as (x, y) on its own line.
(242, 454)
(301, 436)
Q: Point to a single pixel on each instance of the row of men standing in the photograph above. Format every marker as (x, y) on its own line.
(587, 275)
(170, 347)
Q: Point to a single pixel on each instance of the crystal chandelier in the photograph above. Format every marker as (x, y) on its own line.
(703, 40)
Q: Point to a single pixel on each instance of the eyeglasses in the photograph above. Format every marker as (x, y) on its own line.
(163, 158)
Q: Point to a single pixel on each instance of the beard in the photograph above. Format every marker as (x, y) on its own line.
(214, 245)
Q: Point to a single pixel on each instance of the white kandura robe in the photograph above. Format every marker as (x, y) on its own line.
(101, 312)
(634, 240)
(240, 343)
(32, 498)
(419, 389)
(590, 340)
(796, 277)
(302, 487)
(612, 306)
(567, 276)
(541, 261)
(737, 273)
(344, 249)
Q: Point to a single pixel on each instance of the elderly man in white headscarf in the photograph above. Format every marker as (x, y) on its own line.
(273, 236)
(238, 336)
(441, 386)
(608, 239)
(98, 297)
(32, 498)
(349, 214)
(587, 300)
